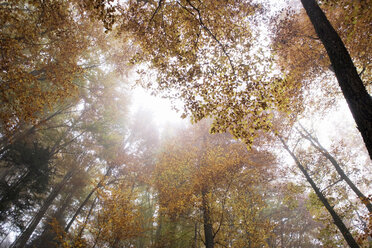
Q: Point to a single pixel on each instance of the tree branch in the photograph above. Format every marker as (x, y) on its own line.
(156, 11)
(201, 22)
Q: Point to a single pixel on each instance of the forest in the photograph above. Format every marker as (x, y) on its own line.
(272, 147)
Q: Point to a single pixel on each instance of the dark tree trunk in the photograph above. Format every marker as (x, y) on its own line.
(195, 243)
(336, 219)
(77, 212)
(315, 143)
(356, 95)
(48, 237)
(87, 217)
(22, 240)
(100, 183)
(208, 229)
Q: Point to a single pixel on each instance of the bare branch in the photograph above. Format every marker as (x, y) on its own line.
(363, 70)
(331, 185)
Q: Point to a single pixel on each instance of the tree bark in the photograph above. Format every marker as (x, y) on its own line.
(208, 229)
(195, 243)
(338, 168)
(336, 219)
(22, 240)
(356, 95)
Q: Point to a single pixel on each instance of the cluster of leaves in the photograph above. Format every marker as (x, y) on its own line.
(301, 54)
(46, 49)
(66, 115)
(211, 67)
(215, 178)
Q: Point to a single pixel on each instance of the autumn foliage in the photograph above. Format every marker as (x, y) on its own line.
(82, 167)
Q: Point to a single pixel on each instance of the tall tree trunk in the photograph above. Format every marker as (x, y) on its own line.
(208, 229)
(336, 219)
(22, 240)
(356, 95)
(77, 212)
(100, 183)
(87, 217)
(315, 143)
(48, 238)
(195, 243)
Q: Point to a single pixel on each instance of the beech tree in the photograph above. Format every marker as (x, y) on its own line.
(83, 174)
(352, 27)
(222, 79)
(336, 218)
(216, 178)
(353, 89)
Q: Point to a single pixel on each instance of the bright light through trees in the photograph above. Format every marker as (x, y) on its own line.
(270, 147)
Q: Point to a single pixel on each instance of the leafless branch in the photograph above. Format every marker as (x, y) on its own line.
(331, 185)
(363, 70)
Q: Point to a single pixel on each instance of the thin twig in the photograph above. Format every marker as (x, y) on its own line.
(201, 22)
(333, 184)
(156, 11)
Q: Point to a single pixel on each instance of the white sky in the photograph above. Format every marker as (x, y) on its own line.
(160, 108)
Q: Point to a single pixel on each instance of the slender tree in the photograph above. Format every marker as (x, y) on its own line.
(315, 143)
(24, 237)
(355, 93)
(336, 218)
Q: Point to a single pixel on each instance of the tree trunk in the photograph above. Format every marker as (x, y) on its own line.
(22, 240)
(195, 243)
(338, 168)
(208, 229)
(336, 219)
(87, 217)
(77, 212)
(356, 95)
(48, 238)
(100, 183)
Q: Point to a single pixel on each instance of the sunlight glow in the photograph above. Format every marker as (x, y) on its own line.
(160, 108)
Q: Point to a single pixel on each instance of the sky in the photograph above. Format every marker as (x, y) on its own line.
(160, 108)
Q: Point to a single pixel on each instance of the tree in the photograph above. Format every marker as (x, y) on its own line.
(336, 218)
(118, 216)
(26, 172)
(351, 27)
(81, 138)
(222, 79)
(212, 68)
(214, 180)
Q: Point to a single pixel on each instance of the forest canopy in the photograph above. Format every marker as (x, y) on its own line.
(274, 151)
